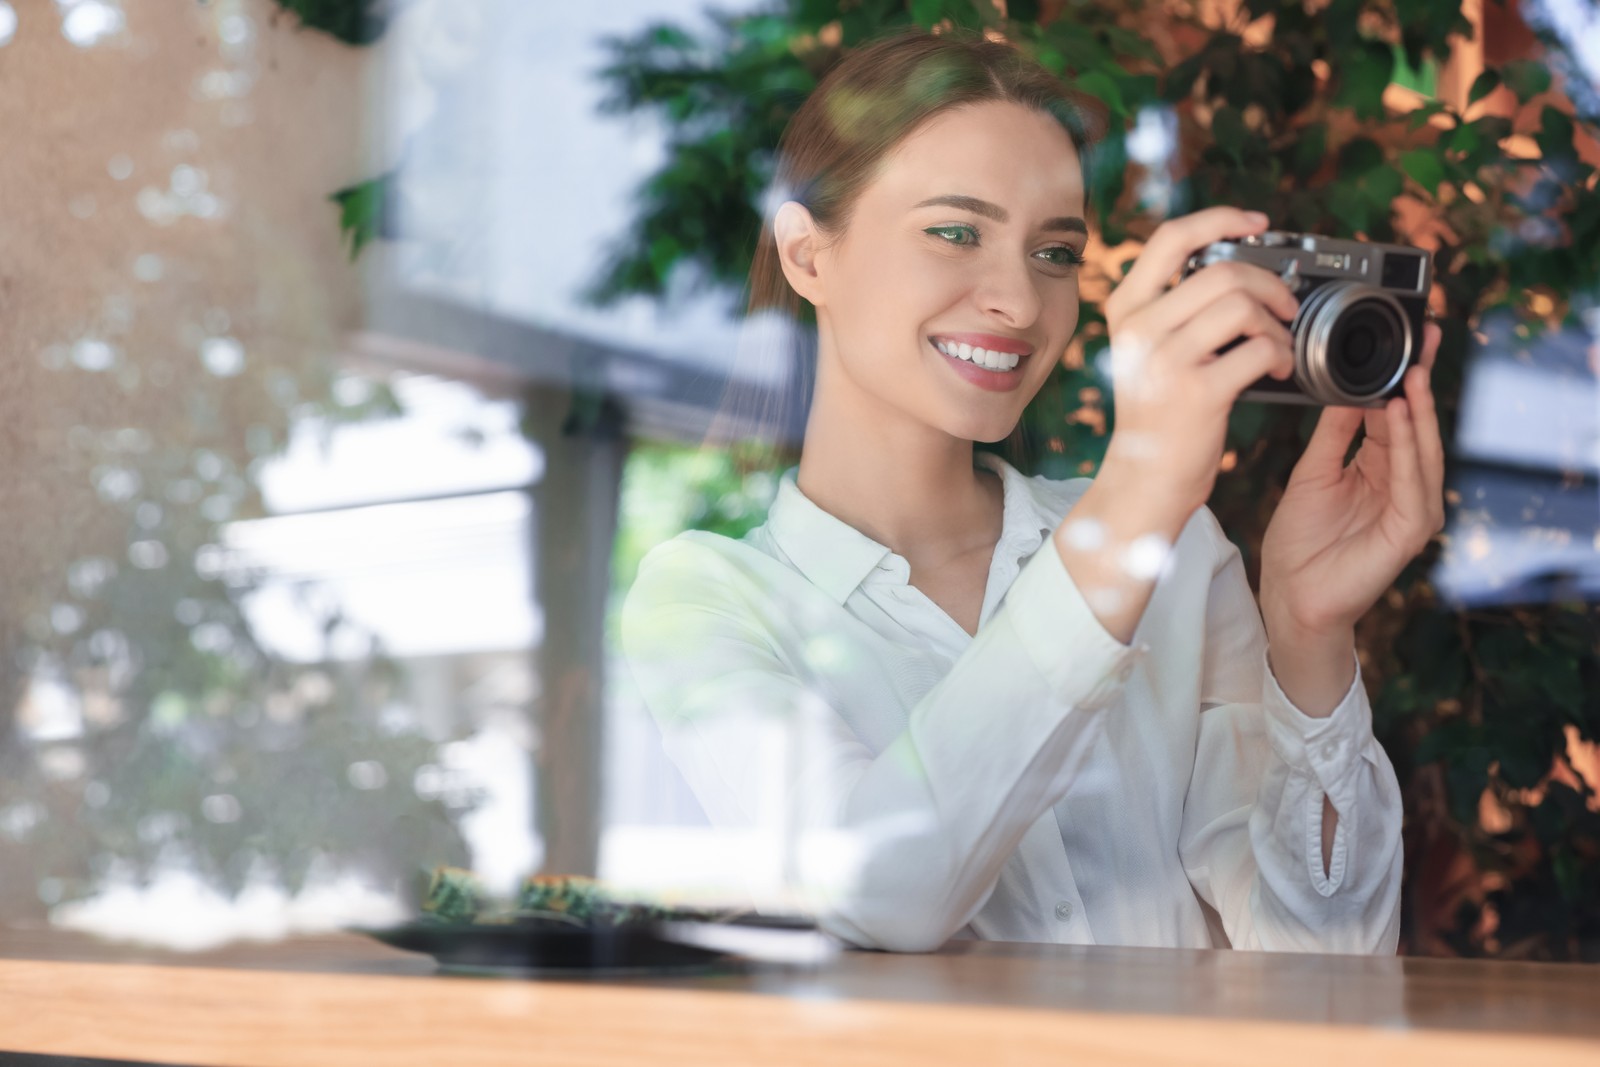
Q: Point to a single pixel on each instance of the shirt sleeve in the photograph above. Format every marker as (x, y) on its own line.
(1251, 836)
(905, 846)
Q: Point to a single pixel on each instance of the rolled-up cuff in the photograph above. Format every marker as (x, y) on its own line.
(1329, 746)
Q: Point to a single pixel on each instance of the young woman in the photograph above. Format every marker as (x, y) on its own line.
(1018, 708)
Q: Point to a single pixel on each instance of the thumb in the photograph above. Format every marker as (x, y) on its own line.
(1325, 452)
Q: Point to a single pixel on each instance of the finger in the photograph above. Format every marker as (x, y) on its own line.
(1170, 246)
(1430, 343)
(1203, 289)
(1237, 368)
(1377, 418)
(1407, 495)
(1330, 442)
(1235, 314)
(1430, 445)
(1378, 424)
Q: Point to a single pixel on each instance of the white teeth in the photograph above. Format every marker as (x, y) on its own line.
(998, 361)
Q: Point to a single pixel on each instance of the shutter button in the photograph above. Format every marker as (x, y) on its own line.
(1064, 910)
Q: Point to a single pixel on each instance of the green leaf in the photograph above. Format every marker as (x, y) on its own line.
(1363, 79)
(1464, 139)
(1098, 84)
(1382, 185)
(1310, 149)
(1422, 114)
(351, 21)
(1483, 85)
(1051, 59)
(1359, 155)
(1180, 79)
(361, 210)
(1493, 129)
(1527, 78)
(1084, 51)
(1258, 80)
(1348, 206)
(1413, 70)
(1525, 761)
(1555, 133)
(1139, 90)
(927, 13)
(1563, 684)
(964, 13)
(1108, 168)
(1228, 129)
(1424, 167)
(1128, 43)
(1023, 10)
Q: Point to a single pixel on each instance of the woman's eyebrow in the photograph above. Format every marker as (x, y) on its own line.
(1060, 224)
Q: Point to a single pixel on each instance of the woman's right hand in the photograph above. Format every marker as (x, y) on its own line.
(1172, 391)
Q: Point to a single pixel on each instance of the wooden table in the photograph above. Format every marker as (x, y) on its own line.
(342, 999)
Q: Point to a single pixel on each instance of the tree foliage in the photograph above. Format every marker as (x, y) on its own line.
(351, 21)
(1291, 111)
(364, 210)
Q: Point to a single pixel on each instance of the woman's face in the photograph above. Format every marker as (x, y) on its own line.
(970, 234)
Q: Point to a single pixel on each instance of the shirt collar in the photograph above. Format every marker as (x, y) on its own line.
(836, 557)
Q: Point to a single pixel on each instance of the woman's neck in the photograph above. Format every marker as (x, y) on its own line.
(904, 484)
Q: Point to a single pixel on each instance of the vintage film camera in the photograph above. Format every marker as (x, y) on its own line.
(1362, 306)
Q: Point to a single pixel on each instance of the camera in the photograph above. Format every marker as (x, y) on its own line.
(1362, 308)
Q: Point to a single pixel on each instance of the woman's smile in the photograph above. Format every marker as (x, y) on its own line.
(995, 369)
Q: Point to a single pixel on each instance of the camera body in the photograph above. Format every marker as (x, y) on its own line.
(1362, 308)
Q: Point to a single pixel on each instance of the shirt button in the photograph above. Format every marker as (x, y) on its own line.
(1064, 910)
(1125, 671)
(1330, 749)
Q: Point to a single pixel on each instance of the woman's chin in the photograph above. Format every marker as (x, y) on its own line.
(984, 431)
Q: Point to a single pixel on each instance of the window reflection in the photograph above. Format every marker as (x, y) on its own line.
(1526, 526)
(239, 701)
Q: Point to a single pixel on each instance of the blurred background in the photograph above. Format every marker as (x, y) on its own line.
(357, 351)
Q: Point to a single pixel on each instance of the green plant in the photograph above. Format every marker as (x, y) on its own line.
(1296, 121)
(351, 21)
(363, 210)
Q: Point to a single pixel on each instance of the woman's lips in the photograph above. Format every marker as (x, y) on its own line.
(998, 381)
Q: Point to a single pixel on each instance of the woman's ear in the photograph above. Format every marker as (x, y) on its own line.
(799, 243)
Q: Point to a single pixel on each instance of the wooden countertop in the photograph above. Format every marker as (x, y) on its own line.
(342, 999)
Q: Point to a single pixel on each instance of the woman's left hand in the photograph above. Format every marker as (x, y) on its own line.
(1342, 534)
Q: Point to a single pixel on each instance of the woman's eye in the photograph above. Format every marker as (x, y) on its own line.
(1066, 256)
(1057, 255)
(963, 231)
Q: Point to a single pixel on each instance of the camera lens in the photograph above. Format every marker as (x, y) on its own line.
(1352, 343)
(1366, 348)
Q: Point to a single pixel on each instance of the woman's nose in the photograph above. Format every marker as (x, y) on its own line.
(1008, 291)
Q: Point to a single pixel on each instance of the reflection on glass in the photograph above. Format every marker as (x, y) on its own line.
(267, 622)
(339, 351)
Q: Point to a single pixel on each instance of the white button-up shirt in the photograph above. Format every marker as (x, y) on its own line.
(1040, 781)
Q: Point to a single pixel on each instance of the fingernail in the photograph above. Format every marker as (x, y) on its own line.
(1257, 216)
